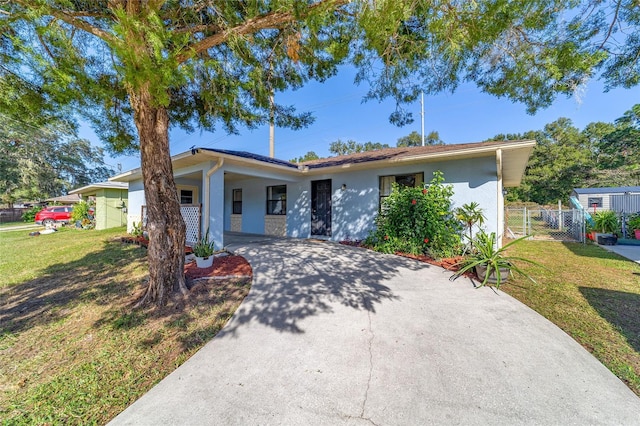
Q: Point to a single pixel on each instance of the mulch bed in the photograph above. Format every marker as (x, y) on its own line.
(223, 267)
(230, 266)
(449, 263)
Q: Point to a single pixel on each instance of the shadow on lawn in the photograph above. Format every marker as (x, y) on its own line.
(592, 250)
(293, 280)
(51, 297)
(619, 308)
(296, 279)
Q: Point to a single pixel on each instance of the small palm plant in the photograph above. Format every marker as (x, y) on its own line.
(606, 221)
(491, 263)
(204, 247)
(470, 214)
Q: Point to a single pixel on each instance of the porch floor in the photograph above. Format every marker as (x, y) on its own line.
(233, 238)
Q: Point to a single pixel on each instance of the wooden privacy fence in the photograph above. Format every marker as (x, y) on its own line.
(192, 216)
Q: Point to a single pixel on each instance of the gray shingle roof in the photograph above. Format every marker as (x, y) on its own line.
(252, 156)
(392, 153)
(607, 190)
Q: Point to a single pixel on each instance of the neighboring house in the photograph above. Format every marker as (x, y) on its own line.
(110, 202)
(619, 199)
(71, 198)
(335, 198)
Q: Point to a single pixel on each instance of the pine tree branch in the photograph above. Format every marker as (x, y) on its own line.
(270, 20)
(72, 20)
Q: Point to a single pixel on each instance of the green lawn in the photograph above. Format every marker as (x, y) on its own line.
(19, 223)
(72, 349)
(593, 295)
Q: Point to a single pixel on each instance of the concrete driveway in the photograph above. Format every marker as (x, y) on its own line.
(331, 334)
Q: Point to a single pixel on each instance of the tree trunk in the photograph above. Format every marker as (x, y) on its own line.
(166, 228)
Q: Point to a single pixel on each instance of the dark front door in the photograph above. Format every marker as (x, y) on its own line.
(321, 207)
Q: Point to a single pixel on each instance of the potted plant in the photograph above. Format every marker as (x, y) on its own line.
(492, 264)
(203, 251)
(606, 223)
(634, 223)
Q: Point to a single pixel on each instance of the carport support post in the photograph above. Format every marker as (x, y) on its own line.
(211, 199)
(215, 220)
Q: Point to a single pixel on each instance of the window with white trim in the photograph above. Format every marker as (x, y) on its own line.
(277, 200)
(186, 196)
(413, 180)
(237, 201)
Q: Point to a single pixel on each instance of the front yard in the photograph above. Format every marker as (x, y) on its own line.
(73, 351)
(593, 295)
(71, 348)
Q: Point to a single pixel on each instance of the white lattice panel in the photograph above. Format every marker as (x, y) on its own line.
(191, 214)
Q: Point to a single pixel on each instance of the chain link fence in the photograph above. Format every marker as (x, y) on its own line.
(545, 224)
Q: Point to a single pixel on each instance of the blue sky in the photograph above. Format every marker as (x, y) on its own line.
(467, 115)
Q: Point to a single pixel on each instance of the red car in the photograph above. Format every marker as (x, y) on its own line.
(50, 215)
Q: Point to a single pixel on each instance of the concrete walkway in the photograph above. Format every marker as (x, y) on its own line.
(331, 334)
(630, 252)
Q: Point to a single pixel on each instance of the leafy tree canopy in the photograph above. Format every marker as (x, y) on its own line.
(565, 157)
(352, 147)
(415, 139)
(135, 68)
(307, 157)
(41, 162)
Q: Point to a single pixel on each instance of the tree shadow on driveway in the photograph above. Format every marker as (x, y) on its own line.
(296, 279)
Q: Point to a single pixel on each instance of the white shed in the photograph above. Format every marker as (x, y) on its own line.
(620, 199)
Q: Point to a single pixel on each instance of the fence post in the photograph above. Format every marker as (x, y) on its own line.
(560, 216)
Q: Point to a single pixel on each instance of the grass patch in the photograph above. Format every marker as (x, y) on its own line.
(18, 223)
(71, 348)
(590, 293)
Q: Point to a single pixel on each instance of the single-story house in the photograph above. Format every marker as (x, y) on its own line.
(110, 202)
(619, 199)
(335, 198)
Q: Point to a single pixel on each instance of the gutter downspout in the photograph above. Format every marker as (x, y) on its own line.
(500, 194)
(206, 194)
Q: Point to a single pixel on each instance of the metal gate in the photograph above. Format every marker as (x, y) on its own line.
(545, 224)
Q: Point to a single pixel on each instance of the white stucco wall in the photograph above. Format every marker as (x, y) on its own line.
(135, 203)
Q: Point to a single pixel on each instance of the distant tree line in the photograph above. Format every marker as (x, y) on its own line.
(565, 157)
(39, 161)
(340, 147)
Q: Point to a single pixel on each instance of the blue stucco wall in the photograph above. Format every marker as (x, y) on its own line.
(254, 202)
(355, 208)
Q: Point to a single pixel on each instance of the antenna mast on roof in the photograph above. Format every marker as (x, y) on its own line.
(272, 130)
(272, 127)
(422, 114)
